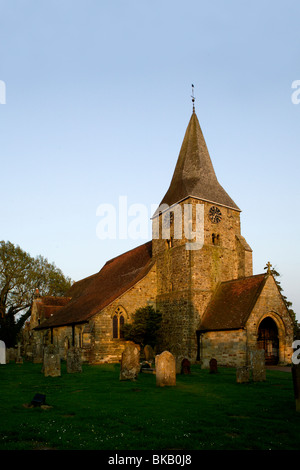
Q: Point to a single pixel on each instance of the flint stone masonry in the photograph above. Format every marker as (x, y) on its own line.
(165, 365)
(257, 361)
(51, 365)
(74, 362)
(130, 365)
(2, 353)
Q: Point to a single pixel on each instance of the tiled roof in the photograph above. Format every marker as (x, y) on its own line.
(47, 306)
(232, 303)
(194, 174)
(95, 292)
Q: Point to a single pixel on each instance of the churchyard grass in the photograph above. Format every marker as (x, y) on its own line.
(93, 410)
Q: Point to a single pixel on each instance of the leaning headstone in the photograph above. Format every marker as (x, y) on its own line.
(149, 353)
(74, 362)
(2, 352)
(130, 364)
(296, 384)
(213, 366)
(165, 365)
(185, 366)
(242, 374)
(257, 361)
(51, 365)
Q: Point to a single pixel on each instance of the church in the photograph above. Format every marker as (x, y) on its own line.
(197, 271)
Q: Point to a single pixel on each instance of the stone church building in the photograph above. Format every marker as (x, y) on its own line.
(211, 303)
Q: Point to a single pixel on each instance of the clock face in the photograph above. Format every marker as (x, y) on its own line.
(215, 215)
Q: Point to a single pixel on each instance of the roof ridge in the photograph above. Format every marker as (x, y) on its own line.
(242, 278)
(149, 242)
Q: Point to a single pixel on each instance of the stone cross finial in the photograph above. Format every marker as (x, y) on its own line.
(269, 267)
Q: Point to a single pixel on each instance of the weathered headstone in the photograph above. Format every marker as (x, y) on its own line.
(130, 364)
(38, 354)
(165, 365)
(296, 384)
(185, 366)
(2, 352)
(11, 354)
(242, 374)
(74, 362)
(257, 361)
(149, 353)
(213, 366)
(51, 365)
(19, 358)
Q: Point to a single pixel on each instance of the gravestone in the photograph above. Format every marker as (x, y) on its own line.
(185, 366)
(37, 356)
(74, 362)
(296, 384)
(38, 399)
(130, 363)
(2, 352)
(257, 361)
(19, 358)
(51, 364)
(213, 366)
(146, 367)
(149, 353)
(242, 374)
(165, 365)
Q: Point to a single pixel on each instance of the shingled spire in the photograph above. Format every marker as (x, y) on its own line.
(194, 175)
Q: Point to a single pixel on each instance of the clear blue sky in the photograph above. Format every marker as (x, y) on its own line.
(97, 103)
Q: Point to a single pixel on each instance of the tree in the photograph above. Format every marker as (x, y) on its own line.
(20, 277)
(289, 304)
(144, 328)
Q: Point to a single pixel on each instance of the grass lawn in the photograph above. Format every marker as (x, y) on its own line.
(94, 410)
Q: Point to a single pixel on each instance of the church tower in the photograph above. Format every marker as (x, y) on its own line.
(197, 243)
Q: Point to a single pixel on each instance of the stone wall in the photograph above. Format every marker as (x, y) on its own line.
(95, 338)
(186, 279)
(105, 348)
(271, 304)
(229, 348)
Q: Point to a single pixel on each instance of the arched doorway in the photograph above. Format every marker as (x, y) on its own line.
(268, 340)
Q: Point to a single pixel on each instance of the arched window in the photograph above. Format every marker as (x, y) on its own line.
(115, 326)
(122, 321)
(118, 321)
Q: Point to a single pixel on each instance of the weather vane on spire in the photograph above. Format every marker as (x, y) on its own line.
(193, 98)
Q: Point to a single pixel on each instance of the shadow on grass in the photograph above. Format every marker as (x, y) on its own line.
(94, 410)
